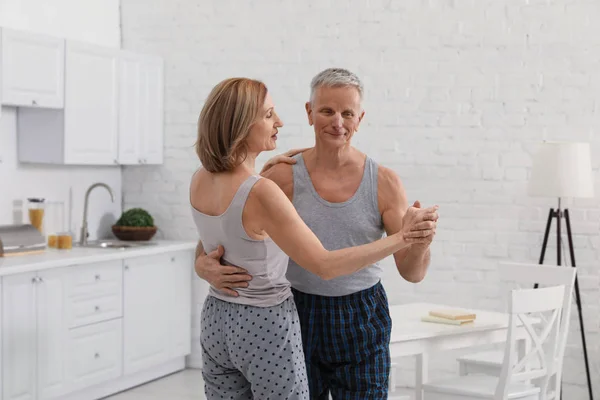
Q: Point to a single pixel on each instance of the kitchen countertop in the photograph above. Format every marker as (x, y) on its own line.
(53, 258)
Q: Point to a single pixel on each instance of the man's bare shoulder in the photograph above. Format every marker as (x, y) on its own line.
(389, 188)
(283, 176)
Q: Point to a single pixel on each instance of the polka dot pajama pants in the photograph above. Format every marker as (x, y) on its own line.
(252, 352)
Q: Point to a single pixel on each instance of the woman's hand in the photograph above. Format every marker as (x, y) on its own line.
(285, 158)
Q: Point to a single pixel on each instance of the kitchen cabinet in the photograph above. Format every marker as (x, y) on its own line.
(91, 120)
(33, 69)
(141, 105)
(113, 110)
(180, 297)
(157, 328)
(19, 337)
(32, 341)
(90, 330)
(1, 68)
(86, 131)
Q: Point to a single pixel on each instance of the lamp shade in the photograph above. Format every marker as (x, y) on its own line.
(562, 169)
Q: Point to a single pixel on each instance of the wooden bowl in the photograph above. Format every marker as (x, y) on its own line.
(134, 232)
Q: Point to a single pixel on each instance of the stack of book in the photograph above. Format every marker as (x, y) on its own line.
(450, 317)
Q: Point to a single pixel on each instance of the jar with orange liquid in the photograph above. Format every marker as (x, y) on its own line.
(54, 222)
(36, 209)
(64, 240)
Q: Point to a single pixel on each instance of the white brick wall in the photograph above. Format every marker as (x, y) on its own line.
(458, 93)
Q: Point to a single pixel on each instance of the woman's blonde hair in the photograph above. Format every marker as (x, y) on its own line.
(225, 121)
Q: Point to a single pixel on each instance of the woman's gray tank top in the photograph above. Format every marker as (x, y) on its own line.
(263, 259)
(337, 225)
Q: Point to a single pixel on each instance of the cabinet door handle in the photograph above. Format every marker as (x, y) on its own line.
(34, 279)
(97, 277)
(172, 259)
(34, 102)
(97, 308)
(97, 355)
(40, 279)
(126, 268)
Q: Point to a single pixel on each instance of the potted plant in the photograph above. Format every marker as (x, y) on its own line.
(135, 224)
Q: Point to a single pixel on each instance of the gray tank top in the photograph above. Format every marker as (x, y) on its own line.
(263, 259)
(337, 225)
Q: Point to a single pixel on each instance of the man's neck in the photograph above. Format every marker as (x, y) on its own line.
(329, 159)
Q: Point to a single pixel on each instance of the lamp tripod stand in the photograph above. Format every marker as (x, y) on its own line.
(559, 214)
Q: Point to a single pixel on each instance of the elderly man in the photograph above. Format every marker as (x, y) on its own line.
(346, 199)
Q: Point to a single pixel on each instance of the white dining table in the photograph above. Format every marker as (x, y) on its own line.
(412, 337)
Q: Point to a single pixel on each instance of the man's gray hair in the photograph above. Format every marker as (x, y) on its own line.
(335, 77)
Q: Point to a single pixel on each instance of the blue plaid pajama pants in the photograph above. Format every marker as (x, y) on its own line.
(346, 344)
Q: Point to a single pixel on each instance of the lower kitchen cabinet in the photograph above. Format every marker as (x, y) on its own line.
(90, 330)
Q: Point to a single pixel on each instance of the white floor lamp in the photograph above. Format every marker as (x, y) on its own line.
(563, 170)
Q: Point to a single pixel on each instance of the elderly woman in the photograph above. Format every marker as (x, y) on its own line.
(251, 343)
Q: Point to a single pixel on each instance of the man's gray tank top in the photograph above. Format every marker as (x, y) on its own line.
(337, 225)
(263, 259)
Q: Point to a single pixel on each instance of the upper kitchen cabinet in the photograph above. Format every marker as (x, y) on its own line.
(92, 98)
(33, 69)
(82, 104)
(141, 105)
(86, 131)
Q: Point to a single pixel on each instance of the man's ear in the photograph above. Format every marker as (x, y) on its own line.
(362, 114)
(308, 108)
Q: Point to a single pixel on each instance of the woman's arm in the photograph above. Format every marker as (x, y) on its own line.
(282, 223)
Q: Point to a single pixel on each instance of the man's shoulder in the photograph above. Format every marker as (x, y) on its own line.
(282, 175)
(279, 173)
(387, 178)
(389, 188)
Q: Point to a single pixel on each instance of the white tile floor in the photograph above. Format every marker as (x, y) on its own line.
(184, 385)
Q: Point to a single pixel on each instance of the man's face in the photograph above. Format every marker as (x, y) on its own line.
(335, 114)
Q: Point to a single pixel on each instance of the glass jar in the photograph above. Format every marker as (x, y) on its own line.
(36, 209)
(64, 240)
(54, 221)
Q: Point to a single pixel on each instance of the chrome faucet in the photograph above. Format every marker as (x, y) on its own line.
(84, 227)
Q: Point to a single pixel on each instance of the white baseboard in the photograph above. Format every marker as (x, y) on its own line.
(127, 382)
(193, 362)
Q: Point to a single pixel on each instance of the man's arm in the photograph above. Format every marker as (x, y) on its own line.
(413, 261)
(224, 278)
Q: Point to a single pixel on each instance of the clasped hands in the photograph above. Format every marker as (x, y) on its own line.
(419, 224)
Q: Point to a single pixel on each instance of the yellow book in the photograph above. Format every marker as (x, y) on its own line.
(453, 314)
(438, 320)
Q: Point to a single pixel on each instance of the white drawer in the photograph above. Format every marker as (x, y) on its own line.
(85, 311)
(95, 354)
(95, 280)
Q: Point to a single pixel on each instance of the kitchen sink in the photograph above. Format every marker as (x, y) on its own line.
(115, 244)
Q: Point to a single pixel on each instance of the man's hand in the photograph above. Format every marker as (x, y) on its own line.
(285, 157)
(224, 278)
(421, 234)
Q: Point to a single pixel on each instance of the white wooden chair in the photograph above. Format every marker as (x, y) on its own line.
(526, 275)
(539, 312)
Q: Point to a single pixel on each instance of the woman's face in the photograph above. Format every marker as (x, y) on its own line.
(263, 134)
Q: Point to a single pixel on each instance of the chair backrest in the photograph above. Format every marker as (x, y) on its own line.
(538, 311)
(526, 275)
